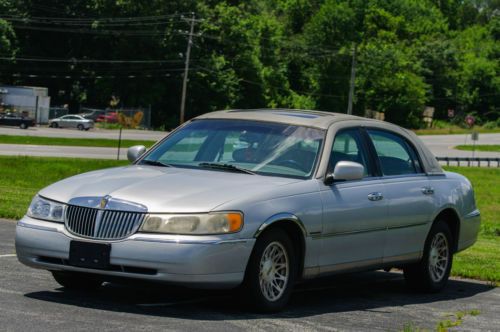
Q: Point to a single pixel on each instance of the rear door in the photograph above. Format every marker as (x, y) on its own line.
(407, 192)
(354, 223)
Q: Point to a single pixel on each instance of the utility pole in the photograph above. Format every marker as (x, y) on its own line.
(186, 69)
(353, 77)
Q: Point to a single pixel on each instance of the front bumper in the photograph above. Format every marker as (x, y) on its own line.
(191, 261)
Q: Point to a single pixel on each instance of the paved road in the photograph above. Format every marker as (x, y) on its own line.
(61, 151)
(93, 133)
(376, 301)
(442, 145)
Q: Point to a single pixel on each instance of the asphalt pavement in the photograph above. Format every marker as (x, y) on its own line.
(132, 134)
(61, 151)
(442, 145)
(377, 301)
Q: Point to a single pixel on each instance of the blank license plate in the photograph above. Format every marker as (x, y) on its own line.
(89, 255)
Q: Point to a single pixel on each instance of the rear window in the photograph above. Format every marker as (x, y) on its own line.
(396, 155)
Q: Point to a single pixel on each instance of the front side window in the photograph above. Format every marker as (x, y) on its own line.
(261, 147)
(396, 156)
(348, 146)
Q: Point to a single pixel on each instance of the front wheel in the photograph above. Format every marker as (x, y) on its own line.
(23, 126)
(432, 272)
(271, 272)
(77, 281)
(80, 127)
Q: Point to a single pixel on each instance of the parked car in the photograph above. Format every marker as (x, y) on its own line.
(257, 199)
(11, 119)
(72, 121)
(92, 114)
(110, 117)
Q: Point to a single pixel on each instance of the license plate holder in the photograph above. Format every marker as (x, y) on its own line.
(89, 254)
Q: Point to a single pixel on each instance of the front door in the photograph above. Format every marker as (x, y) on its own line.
(354, 212)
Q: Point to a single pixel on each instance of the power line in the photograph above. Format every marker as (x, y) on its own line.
(80, 76)
(278, 87)
(138, 33)
(93, 19)
(97, 24)
(88, 60)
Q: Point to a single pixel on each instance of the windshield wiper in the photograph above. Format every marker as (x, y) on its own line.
(155, 163)
(227, 167)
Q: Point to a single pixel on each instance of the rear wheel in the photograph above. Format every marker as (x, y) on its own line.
(271, 272)
(432, 272)
(23, 126)
(77, 281)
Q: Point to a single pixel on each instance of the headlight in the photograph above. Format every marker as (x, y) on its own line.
(200, 224)
(41, 208)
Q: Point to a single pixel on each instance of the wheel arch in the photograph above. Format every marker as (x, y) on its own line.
(294, 228)
(450, 216)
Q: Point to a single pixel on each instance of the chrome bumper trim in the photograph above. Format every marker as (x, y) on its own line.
(145, 239)
(38, 227)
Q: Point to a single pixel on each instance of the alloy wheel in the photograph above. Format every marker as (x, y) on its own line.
(438, 257)
(274, 271)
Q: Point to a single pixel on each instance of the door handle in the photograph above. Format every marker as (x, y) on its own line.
(427, 190)
(375, 196)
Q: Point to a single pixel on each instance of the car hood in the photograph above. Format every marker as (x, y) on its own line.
(164, 189)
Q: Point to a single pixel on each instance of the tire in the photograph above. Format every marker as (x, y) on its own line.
(23, 126)
(54, 125)
(80, 127)
(256, 288)
(432, 272)
(77, 281)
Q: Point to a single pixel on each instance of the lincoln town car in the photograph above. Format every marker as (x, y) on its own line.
(256, 200)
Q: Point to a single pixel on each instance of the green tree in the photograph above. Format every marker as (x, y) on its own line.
(478, 82)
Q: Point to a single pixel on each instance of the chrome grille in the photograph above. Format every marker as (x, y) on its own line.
(102, 224)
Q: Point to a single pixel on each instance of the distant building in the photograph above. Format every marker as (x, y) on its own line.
(26, 100)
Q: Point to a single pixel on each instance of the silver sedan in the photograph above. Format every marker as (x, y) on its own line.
(257, 199)
(71, 121)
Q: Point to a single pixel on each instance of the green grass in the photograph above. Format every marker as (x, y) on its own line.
(455, 130)
(481, 261)
(23, 177)
(487, 148)
(94, 142)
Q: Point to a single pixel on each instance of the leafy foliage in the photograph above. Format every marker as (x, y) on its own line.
(282, 53)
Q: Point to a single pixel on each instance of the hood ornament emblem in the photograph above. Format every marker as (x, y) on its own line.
(104, 201)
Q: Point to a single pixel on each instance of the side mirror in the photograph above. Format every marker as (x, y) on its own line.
(134, 152)
(344, 171)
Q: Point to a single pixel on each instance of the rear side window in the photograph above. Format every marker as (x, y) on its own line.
(396, 155)
(348, 146)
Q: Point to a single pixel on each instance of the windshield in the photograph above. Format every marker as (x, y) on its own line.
(234, 145)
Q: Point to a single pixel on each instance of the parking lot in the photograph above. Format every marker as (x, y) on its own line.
(31, 300)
